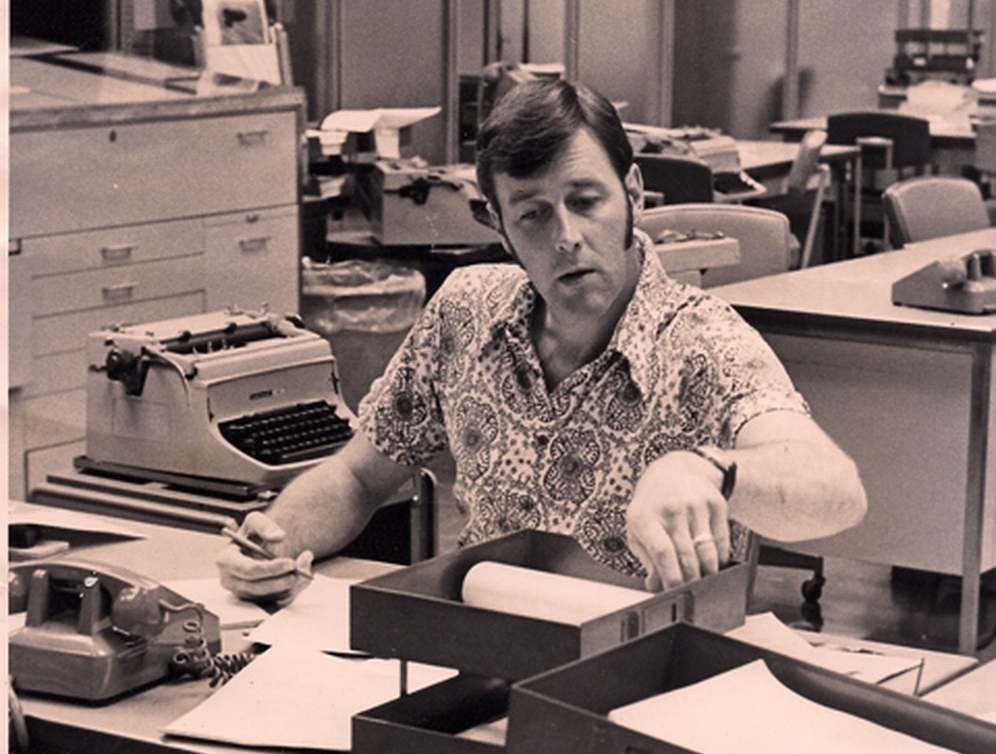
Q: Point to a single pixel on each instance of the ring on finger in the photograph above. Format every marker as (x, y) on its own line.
(703, 539)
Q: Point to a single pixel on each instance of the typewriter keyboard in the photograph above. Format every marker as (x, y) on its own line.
(294, 433)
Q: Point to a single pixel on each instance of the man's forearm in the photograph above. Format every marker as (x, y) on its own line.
(796, 490)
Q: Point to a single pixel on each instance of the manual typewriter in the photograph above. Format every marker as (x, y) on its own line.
(248, 397)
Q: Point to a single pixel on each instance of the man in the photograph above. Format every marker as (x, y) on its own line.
(581, 391)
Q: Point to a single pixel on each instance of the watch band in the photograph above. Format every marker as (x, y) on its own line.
(728, 469)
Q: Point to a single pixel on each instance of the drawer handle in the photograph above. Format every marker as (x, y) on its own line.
(254, 244)
(252, 138)
(116, 253)
(121, 292)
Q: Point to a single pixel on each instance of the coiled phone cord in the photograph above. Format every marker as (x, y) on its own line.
(195, 659)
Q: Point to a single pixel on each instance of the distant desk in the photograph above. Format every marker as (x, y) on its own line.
(769, 163)
(952, 140)
(945, 133)
(910, 394)
(133, 723)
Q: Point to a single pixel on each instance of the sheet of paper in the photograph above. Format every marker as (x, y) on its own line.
(766, 631)
(748, 709)
(362, 121)
(67, 520)
(296, 697)
(318, 618)
(541, 594)
(231, 611)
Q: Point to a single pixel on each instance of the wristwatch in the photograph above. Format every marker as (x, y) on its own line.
(728, 468)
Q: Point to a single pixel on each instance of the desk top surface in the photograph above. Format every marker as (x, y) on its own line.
(45, 94)
(163, 553)
(858, 292)
(760, 154)
(942, 129)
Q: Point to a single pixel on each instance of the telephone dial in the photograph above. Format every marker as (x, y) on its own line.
(94, 632)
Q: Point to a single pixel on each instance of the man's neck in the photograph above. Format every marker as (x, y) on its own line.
(565, 345)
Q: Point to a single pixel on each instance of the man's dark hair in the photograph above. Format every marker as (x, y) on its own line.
(531, 124)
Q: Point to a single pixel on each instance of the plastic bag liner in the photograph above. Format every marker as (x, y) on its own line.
(364, 309)
(360, 295)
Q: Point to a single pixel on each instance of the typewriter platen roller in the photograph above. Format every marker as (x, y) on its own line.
(965, 284)
(230, 395)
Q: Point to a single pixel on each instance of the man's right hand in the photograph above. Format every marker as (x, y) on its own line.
(258, 579)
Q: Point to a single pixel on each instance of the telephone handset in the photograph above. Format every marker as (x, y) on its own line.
(94, 631)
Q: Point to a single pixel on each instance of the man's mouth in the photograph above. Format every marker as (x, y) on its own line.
(575, 276)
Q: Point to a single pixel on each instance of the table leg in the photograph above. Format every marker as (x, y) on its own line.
(975, 498)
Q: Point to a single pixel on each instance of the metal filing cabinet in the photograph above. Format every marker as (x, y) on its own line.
(133, 203)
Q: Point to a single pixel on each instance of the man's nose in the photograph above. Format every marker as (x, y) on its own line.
(568, 237)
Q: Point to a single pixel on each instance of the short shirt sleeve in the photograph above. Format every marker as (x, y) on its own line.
(401, 413)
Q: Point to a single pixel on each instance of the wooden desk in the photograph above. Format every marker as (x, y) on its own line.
(909, 394)
(133, 723)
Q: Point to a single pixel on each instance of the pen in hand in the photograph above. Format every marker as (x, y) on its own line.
(254, 547)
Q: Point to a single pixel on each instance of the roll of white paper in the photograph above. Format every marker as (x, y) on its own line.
(544, 595)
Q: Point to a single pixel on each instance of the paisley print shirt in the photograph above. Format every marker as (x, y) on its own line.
(682, 369)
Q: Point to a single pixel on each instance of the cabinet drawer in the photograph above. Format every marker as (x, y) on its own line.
(60, 342)
(53, 255)
(252, 259)
(67, 332)
(136, 172)
(93, 289)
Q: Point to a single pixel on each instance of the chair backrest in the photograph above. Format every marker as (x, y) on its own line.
(985, 146)
(679, 179)
(806, 160)
(933, 206)
(910, 135)
(763, 235)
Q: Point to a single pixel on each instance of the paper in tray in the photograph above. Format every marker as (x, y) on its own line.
(417, 612)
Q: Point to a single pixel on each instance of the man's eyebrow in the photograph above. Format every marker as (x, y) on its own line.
(524, 195)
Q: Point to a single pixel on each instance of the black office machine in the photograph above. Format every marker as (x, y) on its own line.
(965, 284)
(229, 395)
(94, 632)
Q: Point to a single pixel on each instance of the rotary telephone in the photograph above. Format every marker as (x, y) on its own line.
(94, 632)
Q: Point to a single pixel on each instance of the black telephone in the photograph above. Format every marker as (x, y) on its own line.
(94, 632)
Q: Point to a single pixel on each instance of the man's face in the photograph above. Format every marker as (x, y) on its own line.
(570, 227)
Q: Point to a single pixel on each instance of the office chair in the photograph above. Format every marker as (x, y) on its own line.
(678, 179)
(931, 207)
(766, 243)
(798, 188)
(892, 146)
(985, 161)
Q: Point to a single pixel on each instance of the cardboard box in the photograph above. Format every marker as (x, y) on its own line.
(431, 720)
(416, 613)
(565, 710)
(410, 204)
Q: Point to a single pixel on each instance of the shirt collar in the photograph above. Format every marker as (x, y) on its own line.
(636, 332)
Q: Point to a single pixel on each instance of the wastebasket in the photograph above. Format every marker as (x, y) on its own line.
(364, 309)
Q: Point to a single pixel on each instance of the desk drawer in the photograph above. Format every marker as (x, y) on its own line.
(95, 289)
(137, 172)
(113, 247)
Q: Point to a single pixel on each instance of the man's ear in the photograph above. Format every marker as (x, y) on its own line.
(496, 224)
(634, 188)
